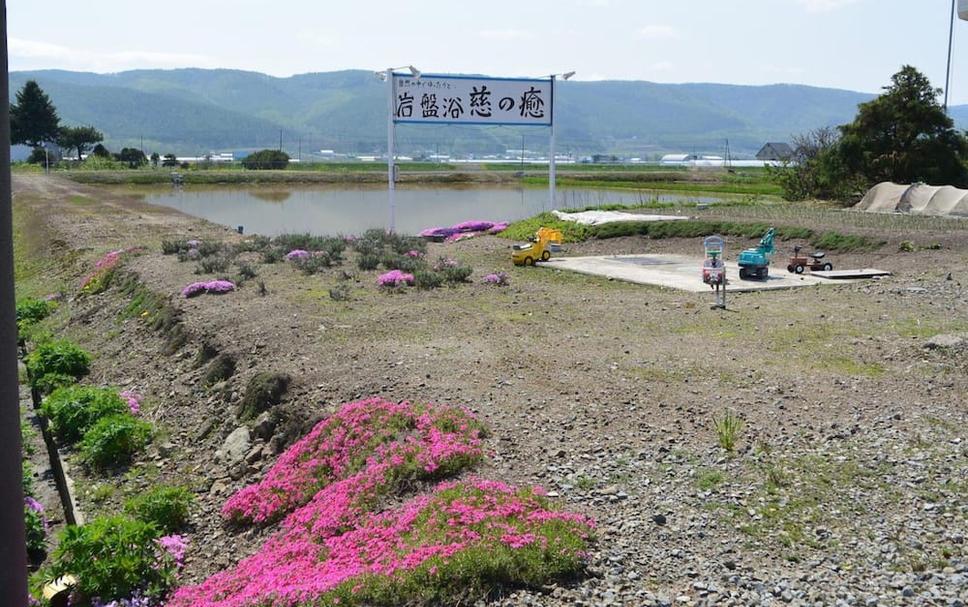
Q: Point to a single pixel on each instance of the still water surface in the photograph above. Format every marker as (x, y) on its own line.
(343, 210)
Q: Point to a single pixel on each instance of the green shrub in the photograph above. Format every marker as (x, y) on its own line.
(264, 390)
(165, 507)
(36, 532)
(173, 247)
(31, 311)
(113, 440)
(340, 293)
(50, 382)
(273, 255)
(368, 261)
(213, 265)
(410, 265)
(307, 242)
(254, 244)
(427, 280)
(315, 263)
(728, 428)
(210, 248)
(61, 357)
(246, 271)
(456, 274)
(112, 557)
(73, 410)
(28, 478)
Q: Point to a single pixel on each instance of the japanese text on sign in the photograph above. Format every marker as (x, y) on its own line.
(472, 100)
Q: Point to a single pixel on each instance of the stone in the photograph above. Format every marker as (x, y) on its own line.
(254, 455)
(264, 426)
(945, 340)
(659, 519)
(235, 447)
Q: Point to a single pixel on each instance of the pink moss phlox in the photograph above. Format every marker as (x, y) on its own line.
(474, 226)
(175, 545)
(194, 243)
(305, 563)
(297, 254)
(395, 278)
(215, 287)
(496, 278)
(363, 445)
(133, 399)
(414, 254)
(497, 228)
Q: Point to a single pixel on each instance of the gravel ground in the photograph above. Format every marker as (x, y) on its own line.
(847, 484)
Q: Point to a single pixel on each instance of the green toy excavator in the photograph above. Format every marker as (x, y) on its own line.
(755, 263)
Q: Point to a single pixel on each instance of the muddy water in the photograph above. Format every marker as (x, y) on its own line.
(342, 210)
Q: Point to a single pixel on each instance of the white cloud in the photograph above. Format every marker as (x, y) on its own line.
(505, 34)
(823, 6)
(36, 53)
(659, 32)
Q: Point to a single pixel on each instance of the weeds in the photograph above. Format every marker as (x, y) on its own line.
(728, 428)
(340, 293)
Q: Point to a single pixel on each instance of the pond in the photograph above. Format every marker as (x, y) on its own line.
(351, 210)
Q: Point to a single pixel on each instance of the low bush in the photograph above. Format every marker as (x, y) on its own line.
(273, 255)
(254, 244)
(35, 525)
(165, 507)
(332, 245)
(315, 263)
(456, 274)
(340, 293)
(73, 410)
(61, 358)
(31, 311)
(246, 271)
(264, 391)
(368, 261)
(213, 265)
(221, 368)
(112, 558)
(427, 280)
(571, 231)
(50, 382)
(409, 265)
(113, 440)
(173, 247)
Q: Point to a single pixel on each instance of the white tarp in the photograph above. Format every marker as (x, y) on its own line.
(594, 218)
(472, 100)
(917, 199)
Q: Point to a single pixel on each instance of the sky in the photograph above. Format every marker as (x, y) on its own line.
(849, 44)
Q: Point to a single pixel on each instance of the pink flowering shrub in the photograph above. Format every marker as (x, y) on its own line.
(297, 254)
(496, 278)
(214, 287)
(175, 545)
(365, 448)
(460, 538)
(395, 278)
(415, 254)
(99, 279)
(133, 400)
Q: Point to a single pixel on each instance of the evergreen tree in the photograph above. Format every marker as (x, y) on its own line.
(33, 118)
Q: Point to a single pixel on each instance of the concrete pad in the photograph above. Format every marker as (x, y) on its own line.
(675, 272)
(848, 274)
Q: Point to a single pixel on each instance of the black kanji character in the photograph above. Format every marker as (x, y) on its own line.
(428, 103)
(532, 105)
(454, 107)
(404, 105)
(481, 102)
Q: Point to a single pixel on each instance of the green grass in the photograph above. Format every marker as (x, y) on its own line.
(709, 479)
(525, 228)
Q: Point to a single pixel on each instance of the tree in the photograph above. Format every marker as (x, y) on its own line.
(905, 136)
(33, 119)
(133, 156)
(266, 159)
(154, 159)
(169, 161)
(100, 151)
(78, 138)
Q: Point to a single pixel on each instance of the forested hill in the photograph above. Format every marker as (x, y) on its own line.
(196, 111)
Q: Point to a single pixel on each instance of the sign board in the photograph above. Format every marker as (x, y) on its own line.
(433, 99)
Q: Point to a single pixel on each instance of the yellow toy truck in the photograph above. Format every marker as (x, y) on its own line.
(538, 249)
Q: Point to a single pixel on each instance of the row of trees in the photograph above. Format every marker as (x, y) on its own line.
(904, 135)
(34, 122)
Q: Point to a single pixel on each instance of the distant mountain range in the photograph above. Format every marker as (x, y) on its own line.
(194, 111)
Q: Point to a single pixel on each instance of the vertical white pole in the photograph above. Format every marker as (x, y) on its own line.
(551, 151)
(947, 75)
(390, 180)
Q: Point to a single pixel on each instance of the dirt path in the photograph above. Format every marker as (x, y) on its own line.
(850, 475)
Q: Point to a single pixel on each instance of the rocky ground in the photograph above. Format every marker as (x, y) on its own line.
(848, 484)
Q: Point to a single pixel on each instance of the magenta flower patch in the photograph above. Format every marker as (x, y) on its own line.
(496, 278)
(395, 278)
(434, 536)
(133, 399)
(215, 287)
(297, 254)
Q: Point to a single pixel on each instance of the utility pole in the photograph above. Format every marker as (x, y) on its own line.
(280, 140)
(951, 37)
(13, 559)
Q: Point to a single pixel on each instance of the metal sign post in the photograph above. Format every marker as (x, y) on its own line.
(714, 268)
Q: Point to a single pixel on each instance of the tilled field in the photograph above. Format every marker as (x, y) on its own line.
(848, 483)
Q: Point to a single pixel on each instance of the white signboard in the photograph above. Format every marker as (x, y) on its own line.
(471, 100)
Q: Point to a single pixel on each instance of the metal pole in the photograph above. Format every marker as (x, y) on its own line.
(951, 35)
(551, 158)
(390, 181)
(13, 559)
